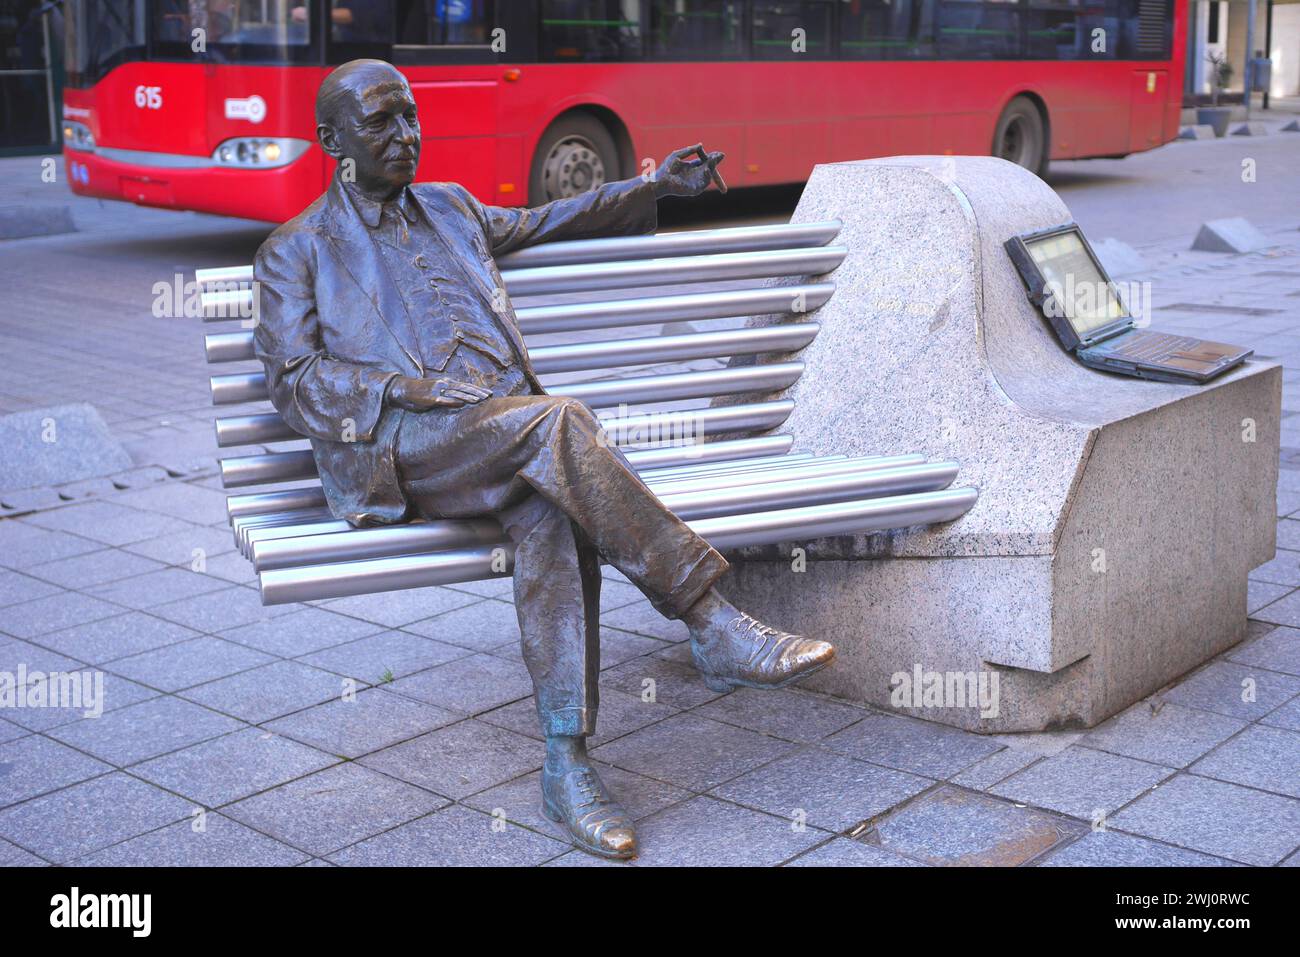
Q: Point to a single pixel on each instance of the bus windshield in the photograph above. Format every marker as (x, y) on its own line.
(263, 31)
(99, 34)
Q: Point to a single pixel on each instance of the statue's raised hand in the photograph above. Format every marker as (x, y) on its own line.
(688, 172)
(420, 395)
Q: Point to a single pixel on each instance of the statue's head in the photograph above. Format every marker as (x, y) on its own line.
(365, 114)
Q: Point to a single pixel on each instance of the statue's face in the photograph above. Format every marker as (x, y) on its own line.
(378, 130)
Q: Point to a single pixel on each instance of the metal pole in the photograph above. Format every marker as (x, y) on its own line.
(1250, 55)
(1268, 40)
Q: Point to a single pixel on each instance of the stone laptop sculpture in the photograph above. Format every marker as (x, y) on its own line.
(388, 340)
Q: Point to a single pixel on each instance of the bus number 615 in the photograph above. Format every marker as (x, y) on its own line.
(148, 97)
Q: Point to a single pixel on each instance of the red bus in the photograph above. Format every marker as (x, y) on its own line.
(209, 105)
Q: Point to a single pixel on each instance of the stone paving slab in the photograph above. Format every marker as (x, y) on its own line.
(1279, 650)
(822, 788)
(34, 765)
(185, 664)
(75, 821)
(1259, 757)
(1082, 783)
(842, 852)
(233, 766)
(790, 714)
(94, 568)
(270, 691)
(16, 587)
(398, 608)
(452, 837)
(468, 685)
(384, 657)
(1113, 849)
(1225, 820)
(329, 810)
(371, 721)
(144, 730)
(909, 744)
(460, 759)
(301, 632)
(953, 827)
(220, 842)
(691, 752)
(121, 636)
(1170, 734)
(1225, 687)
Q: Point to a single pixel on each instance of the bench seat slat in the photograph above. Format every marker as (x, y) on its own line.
(726, 495)
(336, 580)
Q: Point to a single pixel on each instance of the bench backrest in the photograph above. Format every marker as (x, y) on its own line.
(680, 261)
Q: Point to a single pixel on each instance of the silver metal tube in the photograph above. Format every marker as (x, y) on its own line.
(310, 582)
(258, 429)
(676, 434)
(732, 239)
(715, 304)
(682, 470)
(701, 454)
(695, 498)
(237, 387)
(732, 380)
(317, 521)
(246, 506)
(583, 356)
(228, 346)
(710, 455)
(585, 277)
(251, 386)
(240, 471)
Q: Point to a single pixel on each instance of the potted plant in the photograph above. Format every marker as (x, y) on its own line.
(1214, 115)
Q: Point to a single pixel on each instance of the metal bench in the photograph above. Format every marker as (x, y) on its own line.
(740, 486)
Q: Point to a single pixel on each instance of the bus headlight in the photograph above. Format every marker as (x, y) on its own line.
(259, 152)
(77, 136)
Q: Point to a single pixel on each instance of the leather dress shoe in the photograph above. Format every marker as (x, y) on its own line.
(747, 653)
(576, 798)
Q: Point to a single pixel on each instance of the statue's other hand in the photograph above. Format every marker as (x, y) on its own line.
(683, 173)
(419, 395)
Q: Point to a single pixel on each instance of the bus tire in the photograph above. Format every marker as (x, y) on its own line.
(575, 154)
(1021, 136)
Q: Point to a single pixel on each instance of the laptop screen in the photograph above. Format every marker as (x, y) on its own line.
(1076, 281)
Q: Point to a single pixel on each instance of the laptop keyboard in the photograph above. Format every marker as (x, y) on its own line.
(1156, 346)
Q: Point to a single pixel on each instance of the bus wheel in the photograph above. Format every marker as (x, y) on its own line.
(1020, 137)
(576, 154)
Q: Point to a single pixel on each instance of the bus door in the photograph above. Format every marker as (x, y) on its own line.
(1149, 93)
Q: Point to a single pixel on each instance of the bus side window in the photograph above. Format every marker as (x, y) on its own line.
(887, 30)
(697, 29)
(775, 26)
(590, 30)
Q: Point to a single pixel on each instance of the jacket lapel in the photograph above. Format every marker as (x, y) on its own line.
(358, 252)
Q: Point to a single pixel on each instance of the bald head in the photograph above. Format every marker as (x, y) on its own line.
(350, 83)
(366, 119)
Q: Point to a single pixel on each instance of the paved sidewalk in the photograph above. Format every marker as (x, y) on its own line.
(398, 729)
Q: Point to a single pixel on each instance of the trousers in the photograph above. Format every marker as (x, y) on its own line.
(567, 498)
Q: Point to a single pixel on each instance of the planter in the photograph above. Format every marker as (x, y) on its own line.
(1215, 116)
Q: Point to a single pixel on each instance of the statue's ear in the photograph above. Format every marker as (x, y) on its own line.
(329, 140)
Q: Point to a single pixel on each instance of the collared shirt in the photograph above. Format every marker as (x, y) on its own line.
(443, 310)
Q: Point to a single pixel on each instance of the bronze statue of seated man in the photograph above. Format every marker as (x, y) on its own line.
(388, 340)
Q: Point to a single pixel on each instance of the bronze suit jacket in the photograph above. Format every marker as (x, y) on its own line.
(325, 334)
